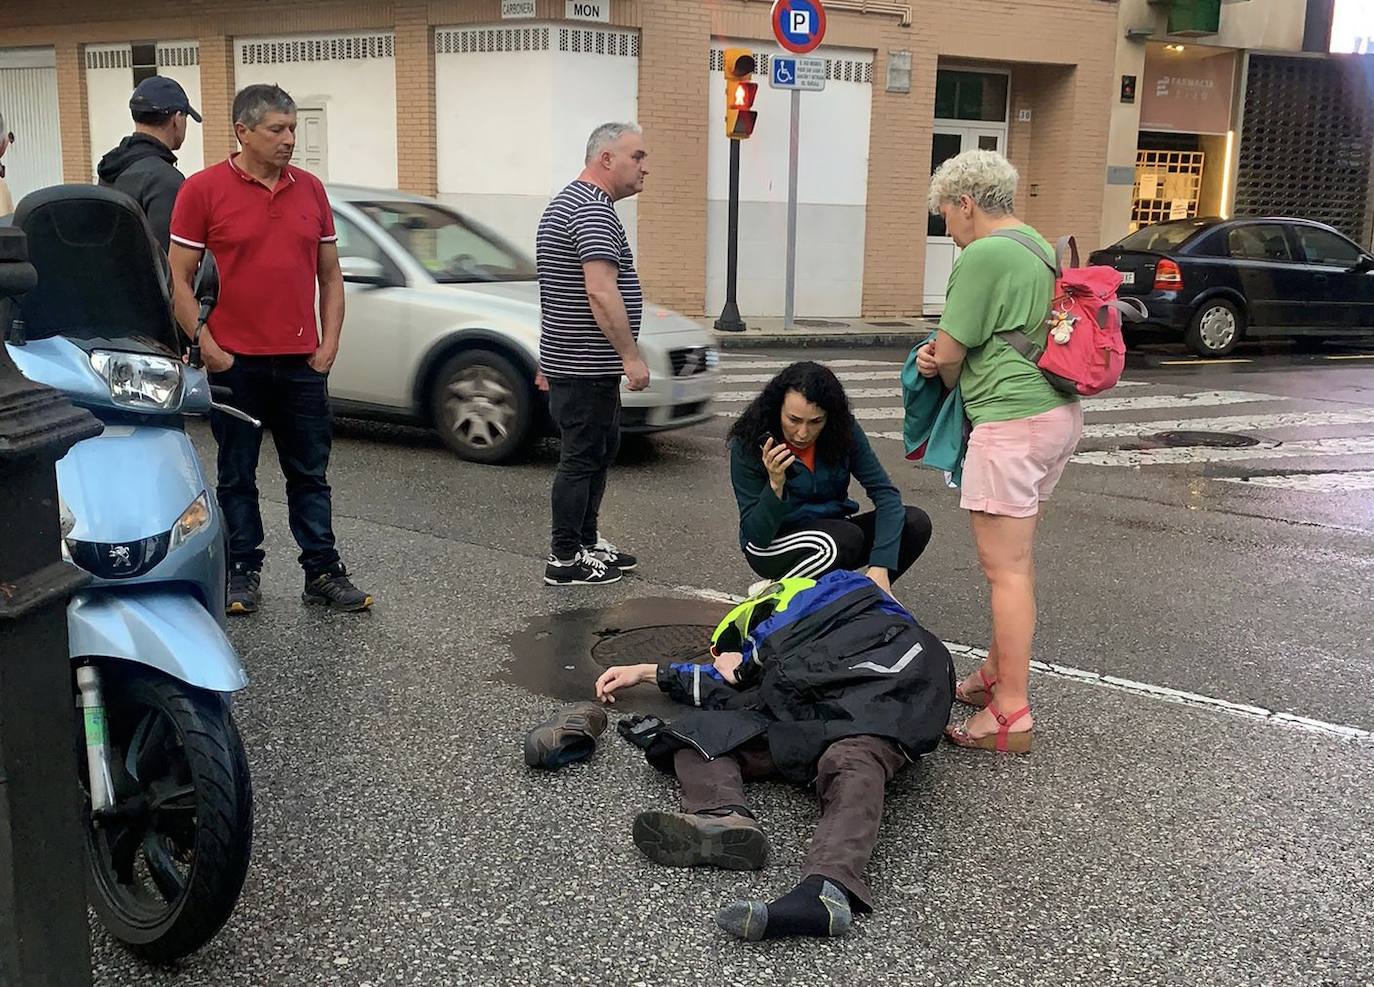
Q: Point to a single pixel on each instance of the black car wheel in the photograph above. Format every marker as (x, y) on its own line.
(482, 406)
(1216, 328)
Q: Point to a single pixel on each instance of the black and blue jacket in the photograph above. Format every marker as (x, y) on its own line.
(843, 659)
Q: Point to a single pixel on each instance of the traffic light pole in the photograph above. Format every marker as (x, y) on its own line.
(43, 931)
(729, 320)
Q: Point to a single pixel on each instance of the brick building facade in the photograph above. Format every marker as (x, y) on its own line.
(1055, 128)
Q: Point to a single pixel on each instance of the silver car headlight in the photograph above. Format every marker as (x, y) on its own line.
(140, 380)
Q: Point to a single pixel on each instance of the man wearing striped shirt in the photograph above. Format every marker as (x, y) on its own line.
(590, 308)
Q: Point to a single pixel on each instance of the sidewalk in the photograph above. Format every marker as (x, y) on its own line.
(845, 333)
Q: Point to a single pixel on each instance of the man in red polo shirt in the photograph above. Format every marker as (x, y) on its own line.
(272, 233)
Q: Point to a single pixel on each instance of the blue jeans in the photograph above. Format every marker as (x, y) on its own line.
(292, 400)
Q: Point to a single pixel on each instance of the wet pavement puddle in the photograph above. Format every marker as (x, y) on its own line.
(560, 656)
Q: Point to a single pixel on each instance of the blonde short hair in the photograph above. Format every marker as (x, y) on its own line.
(984, 176)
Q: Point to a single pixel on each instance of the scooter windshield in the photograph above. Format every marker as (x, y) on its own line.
(103, 281)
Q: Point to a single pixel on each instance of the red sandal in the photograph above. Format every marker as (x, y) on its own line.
(1003, 741)
(977, 697)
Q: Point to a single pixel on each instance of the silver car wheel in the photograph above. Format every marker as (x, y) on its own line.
(1217, 327)
(480, 406)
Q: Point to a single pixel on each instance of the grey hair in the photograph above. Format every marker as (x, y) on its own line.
(984, 176)
(254, 102)
(606, 135)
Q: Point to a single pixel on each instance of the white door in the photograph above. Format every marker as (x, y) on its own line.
(312, 142)
(28, 102)
(949, 140)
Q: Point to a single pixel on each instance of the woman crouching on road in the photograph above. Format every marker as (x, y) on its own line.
(793, 453)
(1024, 431)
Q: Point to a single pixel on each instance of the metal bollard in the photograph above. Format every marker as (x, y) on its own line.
(44, 938)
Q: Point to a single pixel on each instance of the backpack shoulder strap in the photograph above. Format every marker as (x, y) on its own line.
(1029, 243)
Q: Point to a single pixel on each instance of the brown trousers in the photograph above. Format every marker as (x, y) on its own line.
(850, 779)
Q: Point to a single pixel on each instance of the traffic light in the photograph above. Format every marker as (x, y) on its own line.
(739, 93)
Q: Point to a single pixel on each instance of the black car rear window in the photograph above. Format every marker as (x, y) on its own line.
(1160, 238)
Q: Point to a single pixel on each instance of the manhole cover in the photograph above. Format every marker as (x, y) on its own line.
(819, 323)
(891, 325)
(666, 642)
(1212, 440)
(560, 655)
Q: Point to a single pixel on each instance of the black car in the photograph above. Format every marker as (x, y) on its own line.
(1217, 281)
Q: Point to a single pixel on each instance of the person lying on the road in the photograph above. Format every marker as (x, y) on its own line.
(793, 453)
(831, 682)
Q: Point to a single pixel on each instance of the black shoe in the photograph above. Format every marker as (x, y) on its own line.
(244, 590)
(610, 556)
(695, 839)
(585, 570)
(335, 590)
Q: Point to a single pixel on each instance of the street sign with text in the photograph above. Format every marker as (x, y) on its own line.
(807, 74)
(799, 25)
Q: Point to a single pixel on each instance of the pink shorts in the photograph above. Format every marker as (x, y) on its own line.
(1012, 466)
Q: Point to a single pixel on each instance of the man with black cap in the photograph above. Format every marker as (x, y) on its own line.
(143, 166)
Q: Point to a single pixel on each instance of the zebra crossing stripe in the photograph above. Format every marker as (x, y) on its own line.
(845, 378)
(1347, 482)
(732, 364)
(1230, 423)
(1358, 446)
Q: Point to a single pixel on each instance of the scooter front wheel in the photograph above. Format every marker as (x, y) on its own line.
(168, 859)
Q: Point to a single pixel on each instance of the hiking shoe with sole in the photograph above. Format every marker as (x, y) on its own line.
(335, 590)
(693, 839)
(245, 593)
(566, 737)
(585, 570)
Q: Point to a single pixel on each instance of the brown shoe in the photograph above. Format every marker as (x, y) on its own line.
(696, 839)
(1003, 741)
(566, 737)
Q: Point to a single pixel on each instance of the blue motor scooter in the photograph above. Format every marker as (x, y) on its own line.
(168, 797)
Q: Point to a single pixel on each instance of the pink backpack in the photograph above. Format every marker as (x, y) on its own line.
(1083, 352)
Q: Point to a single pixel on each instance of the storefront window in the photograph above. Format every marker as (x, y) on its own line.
(971, 96)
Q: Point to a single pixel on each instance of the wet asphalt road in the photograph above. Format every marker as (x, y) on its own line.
(401, 840)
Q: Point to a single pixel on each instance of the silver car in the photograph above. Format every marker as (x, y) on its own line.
(442, 329)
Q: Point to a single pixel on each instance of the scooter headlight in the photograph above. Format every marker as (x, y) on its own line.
(192, 520)
(140, 380)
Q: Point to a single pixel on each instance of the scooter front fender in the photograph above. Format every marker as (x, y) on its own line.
(168, 631)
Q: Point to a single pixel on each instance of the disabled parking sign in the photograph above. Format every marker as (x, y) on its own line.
(799, 25)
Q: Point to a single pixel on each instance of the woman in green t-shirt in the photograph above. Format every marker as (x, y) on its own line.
(1024, 431)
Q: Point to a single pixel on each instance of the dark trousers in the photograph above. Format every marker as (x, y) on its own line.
(850, 779)
(586, 411)
(292, 400)
(813, 548)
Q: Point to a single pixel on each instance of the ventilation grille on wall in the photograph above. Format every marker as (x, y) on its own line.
(477, 40)
(1305, 151)
(836, 69)
(178, 56)
(108, 58)
(592, 42)
(319, 50)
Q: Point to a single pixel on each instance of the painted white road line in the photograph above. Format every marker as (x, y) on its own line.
(1146, 402)
(1195, 399)
(729, 363)
(1144, 689)
(845, 377)
(855, 393)
(1231, 423)
(1350, 482)
(1359, 446)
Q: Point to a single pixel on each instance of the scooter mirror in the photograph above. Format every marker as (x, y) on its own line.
(207, 284)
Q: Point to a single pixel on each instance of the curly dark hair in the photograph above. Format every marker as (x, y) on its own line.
(819, 385)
